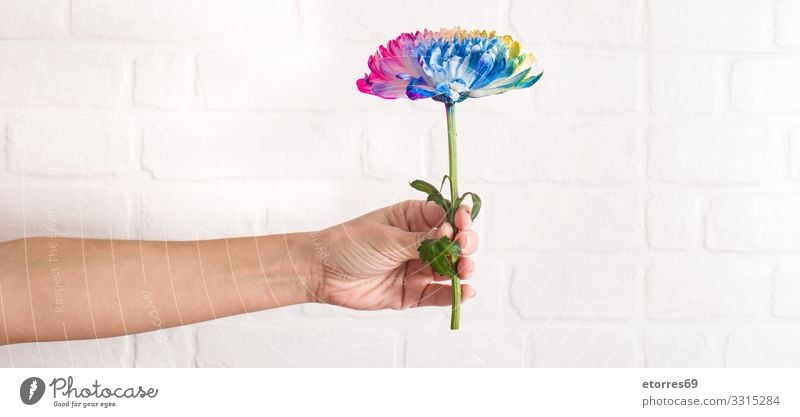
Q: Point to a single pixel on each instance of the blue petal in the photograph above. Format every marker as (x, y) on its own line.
(485, 65)
(417, 89)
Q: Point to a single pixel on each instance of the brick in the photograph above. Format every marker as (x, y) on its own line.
(163, 80)
(257, 80)
(607, 22)
(466, 348)
(65, 77)
(290, 210)
(682, 347)
(115, 352)
(563, 346)
(751, 222)
(491, 282)
(715, 154)
(575, 290)
(181, 19)
(564, 220)
(765, 85)
(707, 290)
(63, 210)
(394, 149)
(710, 24)
(774, 347)
(682, 84)
(296, 346)
(32, 19)
(612, 86)
(3, 149)
(794, 155)
(269, 147)
(787, 31)
(522, 153)
(202, 211)
(69, 146)
(322, 20)
(674, 222)
(787, 291)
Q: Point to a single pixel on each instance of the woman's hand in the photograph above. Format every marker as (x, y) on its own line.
(372, 263)
(122, 287)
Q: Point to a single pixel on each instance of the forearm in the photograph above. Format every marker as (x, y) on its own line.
(59, 288)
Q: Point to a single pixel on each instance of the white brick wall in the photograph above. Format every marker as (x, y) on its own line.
(163, 80)
(765, 85)
(606, 22)
(32, 19)
(755, 222)
(64, 77)
(590, 84)
(559, 154)
(776, 346)
(180, 19)
(69, 146)
(575, 290)
(711, 24)
(700, 290)
(716, 154)
(580, 345)
(685, 84)
(642, 203)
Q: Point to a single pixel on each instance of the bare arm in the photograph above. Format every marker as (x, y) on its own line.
(66, 289)
(60, 289)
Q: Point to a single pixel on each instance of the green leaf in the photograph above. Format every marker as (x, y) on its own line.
(433, 194)
(425, 187)
(476, 203)
(445, 178)
(442, 254)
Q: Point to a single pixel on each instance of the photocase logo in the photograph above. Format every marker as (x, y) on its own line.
(31, 390)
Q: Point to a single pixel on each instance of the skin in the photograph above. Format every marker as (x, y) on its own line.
(55, 289)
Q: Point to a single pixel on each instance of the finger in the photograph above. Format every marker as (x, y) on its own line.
(467, 292)
(422, 216)
(409, 242)
(442, 295)
(468, 239)
(433, 214)
(416, 269)
(463, 219)
(466, 266)
(446, 230)
(413, 288)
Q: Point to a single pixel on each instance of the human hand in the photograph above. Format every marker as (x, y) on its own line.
(372, 263)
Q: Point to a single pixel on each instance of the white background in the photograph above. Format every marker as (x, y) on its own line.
(642, 202)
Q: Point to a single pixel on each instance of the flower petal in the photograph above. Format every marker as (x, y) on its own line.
(417, 89)
(448, 65)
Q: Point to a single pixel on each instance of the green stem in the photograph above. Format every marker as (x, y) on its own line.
(450, 108)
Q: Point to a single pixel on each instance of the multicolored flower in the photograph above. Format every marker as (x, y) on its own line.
(449, 65)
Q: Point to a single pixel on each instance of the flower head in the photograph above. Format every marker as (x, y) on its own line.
(449, 66)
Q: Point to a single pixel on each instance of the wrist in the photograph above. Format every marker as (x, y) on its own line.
(306, 265)
(286, 269)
